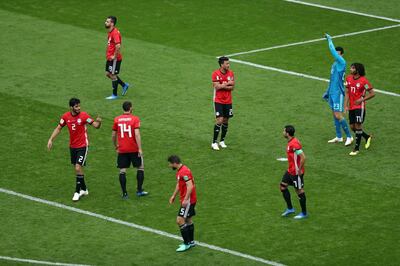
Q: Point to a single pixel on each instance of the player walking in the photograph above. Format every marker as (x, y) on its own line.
(76, 122)
(357, 85)
(187, 193)
(294, 176)
(114, 57)
(335, 93)
(127, 142)
(223, 83)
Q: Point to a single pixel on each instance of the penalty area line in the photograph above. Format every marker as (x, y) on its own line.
(41, 262)
(136, 226)
(299, 74)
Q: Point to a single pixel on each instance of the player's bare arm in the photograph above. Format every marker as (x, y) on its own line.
(346, 102)
(138, 141)
(55, 133)
(302, 162)
(223, 86)
(114, 139)
(172, 198)
(97, 123)
(371, 94)
(189, 188)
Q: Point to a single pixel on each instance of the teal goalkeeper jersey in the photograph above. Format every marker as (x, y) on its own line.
(338, 71)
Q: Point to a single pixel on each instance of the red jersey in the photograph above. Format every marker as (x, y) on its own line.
(292, 148)
(114, 38)
(184, 175)
(356, 88)
(222, 96)
(77, 128)
(125, 126)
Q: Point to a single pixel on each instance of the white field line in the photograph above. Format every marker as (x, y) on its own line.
(139, 227)
(312, 41)
(342, 10)
(298, 74)
(39, 261)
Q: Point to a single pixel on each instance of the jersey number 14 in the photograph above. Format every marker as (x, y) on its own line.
(124, 128)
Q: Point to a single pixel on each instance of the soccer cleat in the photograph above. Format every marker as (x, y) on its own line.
(214, 146)
(76, 196)
(83, 193)
(125, 89)
(112, 97)
(300, 216)
(287, 212)
(142, 193)
(335, 140)
(192, 244)
(354, 153)
(223, 145)
(125, 196)
(368, 143)
(183, 247)
(348, 142)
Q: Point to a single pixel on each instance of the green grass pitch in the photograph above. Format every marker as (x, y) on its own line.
(53, 50)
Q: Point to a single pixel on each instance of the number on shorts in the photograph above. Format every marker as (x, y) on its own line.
(80, 159)
(125, 128)
(358, 118)
(182, 211)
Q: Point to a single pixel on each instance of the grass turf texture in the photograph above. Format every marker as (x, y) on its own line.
(57, 52)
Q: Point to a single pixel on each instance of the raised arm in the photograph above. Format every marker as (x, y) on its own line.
(97, 123)
(333, 51)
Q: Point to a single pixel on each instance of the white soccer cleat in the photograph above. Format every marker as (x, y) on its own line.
(223, 145)
(214, 146)
(335, 140)
(349, 141)
(83, 193)
(76, 196)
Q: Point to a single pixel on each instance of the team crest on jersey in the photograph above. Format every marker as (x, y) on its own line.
(218, 78)
(229, 78)
(358, 85)
(62, 121)
(79, 121)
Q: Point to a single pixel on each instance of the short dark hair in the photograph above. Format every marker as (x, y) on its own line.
(74, 101)
(174, 159)
(359, 68)
(127, 106)
(340, 49)
(290, 130)
(222, 59)
(113, 19)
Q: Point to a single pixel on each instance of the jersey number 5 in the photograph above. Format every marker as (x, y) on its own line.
(125, 128)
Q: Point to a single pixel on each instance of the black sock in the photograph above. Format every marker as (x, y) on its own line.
(185, 233)
(302, 199)
(365, 135)
(217, 129)
(120, 82)
(140, 179)
(358, 140)
(224, 131)
(115, 87)
(286, 196)
(80, 183)
(191, 232)
(122, 181)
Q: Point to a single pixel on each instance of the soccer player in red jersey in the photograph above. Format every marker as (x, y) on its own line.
(223, 83)
(77, 122)
(295, 173)
(128, 144)
(187, 193)
(357, 86)
(114, 57)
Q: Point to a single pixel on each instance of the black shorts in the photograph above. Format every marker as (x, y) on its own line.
(187, 211)
(357, 116)
(113, 66)
(78, 155)
(223, 110)
(125, 160)
(293, 180)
